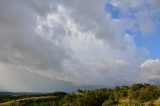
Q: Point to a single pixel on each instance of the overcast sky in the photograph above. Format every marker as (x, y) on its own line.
(53, 45)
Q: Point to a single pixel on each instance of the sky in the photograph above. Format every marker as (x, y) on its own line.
(64, 45)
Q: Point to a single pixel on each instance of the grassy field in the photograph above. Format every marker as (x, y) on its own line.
(18, 101)
(135, 95)
(27, 99)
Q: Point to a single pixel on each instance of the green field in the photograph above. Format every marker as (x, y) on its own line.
(135, 95)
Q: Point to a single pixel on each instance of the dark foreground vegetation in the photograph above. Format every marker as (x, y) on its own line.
(135, 95)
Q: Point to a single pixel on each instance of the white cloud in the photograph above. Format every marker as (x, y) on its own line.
(151, 70)
(65, 43)
(140, 12)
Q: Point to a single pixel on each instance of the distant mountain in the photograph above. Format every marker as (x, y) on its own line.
(7, 93)
(18, 93)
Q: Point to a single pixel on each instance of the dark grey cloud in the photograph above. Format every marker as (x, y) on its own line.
(18, 79)
(20, 45)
